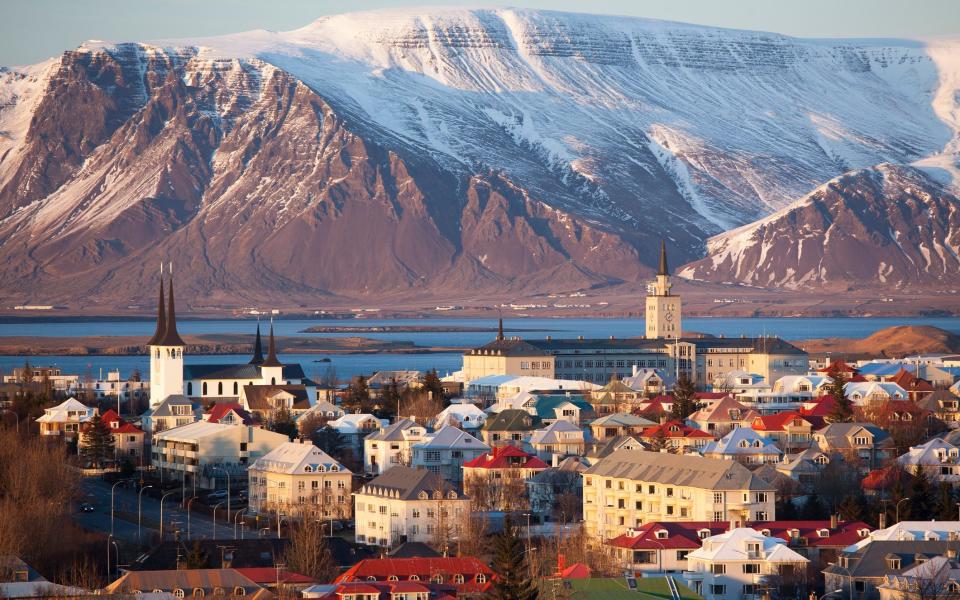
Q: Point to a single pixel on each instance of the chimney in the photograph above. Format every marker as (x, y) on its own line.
(883, 520)
(634, 370)
(834, 521)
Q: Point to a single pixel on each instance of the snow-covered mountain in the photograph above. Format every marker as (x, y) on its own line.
(888, 226)
(420, 151)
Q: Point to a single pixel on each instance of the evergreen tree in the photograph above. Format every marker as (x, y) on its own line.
(357, 397)
(282, 422)
(98, 446)
(918, 507)
(786, 510)
(430, 382)
(659, 440)
(510, 564)
(812, 508)
(684, 402)
(852, 508)
(946, 506)
(330, 441)
(390, 397)
(842, 411)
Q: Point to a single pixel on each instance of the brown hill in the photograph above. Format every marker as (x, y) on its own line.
(892, 341)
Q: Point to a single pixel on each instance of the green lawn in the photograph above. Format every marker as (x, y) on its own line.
(616, 589)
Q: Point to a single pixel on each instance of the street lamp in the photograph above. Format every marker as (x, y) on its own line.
(113, 490)
(140, 511)
(215, 507)
(116, 555)
(279, 517)
(898, 508)
(236, 519)
(162, 498)
(227, 477)
(189, 502)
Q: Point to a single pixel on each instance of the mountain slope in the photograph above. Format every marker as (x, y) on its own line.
(421, 153)
(884, 226)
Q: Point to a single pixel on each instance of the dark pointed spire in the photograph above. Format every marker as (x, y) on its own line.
(161, 317)
(663, 259)
(272, 360)
(257, 349)
(500, 329)
(170, 335)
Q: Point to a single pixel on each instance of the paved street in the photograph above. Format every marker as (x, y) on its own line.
(97, 493)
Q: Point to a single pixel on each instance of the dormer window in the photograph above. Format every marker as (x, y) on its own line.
(661, 534)
(703, 534)
(308, 469)
(823, 533)
(765, 532)
(893, 563)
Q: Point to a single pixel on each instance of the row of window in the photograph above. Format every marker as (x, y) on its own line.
(199, 592)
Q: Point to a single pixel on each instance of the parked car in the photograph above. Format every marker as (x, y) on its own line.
(86, 507)
(216, 496)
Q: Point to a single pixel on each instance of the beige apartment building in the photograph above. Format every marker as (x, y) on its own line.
(297, 478)
(409, 505)
(631, 487)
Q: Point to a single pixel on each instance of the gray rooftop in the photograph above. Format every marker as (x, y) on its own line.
(693, 471)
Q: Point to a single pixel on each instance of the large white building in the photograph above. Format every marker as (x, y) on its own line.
(631, 487)
(392, 445)
(297, 478)
(409, 505)
(203, 451)
(742, 563)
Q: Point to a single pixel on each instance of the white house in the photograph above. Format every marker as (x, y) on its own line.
(391, 445)
(744, 445)
(557, 441)
(740, 563)
(464, 415)
(938, 459)
(409, 505)
(810, 385)
(864, 392)
(296, 478)
(202, 452)
(445, 451)
(505, 386)
(354, 427)
(65, 418)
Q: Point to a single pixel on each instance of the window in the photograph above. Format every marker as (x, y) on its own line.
(178, 593)
(198, 592)
(682, 554)
(861, 441)
(718, 569)
(204, 392)
(458, 578)
(718, 590)
(718, 497)
(751, 568)
(236, 388)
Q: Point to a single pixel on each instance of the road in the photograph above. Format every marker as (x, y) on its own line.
(97, 493)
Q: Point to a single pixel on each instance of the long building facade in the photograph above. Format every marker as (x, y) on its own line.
(662, 346)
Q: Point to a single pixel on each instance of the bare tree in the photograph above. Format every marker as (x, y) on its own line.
(308, 552)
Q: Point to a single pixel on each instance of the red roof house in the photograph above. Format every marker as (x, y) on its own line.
(506, 457)
(917, 388)
(677, 434)
(389, 590)
(468, 575)
(228, 413)
(127, 437)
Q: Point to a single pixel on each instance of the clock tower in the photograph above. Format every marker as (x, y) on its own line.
(663, 308)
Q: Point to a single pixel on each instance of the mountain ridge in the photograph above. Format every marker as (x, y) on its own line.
(594, 136)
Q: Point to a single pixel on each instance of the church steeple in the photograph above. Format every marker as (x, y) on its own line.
(663, 259)
(161, 316)
(272, 360)
(170, 335)
(500, 330)
(257, 349)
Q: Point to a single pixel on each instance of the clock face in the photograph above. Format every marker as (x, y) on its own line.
(668, 316)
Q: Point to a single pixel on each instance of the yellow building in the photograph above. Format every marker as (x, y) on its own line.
(296, 478)
(632, 487)
(505, 356)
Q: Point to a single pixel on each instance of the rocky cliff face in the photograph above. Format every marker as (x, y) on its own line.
(886, 227)
(442, 154)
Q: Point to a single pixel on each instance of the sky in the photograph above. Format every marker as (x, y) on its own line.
(34, 30)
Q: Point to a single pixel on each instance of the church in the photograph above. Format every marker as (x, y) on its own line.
(664, 347)
(175, 386)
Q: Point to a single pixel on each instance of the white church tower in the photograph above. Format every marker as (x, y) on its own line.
(663, 308)
(166, 352)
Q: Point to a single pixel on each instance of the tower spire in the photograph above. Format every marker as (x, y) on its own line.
(500, 329)
(257, 348)
(663, 259)
(170, 335)
(161, 316)
(272, 360)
